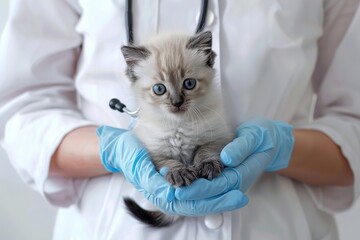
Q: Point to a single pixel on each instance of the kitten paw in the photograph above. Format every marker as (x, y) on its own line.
(209, 170)
(182, 176)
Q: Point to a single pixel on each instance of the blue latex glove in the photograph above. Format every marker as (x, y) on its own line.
(260, 145)
(121, 151)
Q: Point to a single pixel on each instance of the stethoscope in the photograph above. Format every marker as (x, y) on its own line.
(115, 103)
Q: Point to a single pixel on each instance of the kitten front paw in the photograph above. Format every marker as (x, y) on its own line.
(181, 176)
(209, 170)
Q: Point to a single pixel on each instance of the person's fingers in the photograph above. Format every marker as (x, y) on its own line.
(140, 171)
(252, 168)
(163, 171)
(202, 188)
(238, 150)
(107, 142)
(154, 183)
(229, 201)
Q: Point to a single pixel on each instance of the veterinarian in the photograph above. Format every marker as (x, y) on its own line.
(289, 76)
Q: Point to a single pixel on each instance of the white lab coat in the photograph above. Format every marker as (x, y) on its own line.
(60, 64)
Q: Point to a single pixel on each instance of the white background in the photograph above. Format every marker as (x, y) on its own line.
(25, 215)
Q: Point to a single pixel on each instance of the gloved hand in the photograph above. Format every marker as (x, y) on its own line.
(121, 151)
(260, 145)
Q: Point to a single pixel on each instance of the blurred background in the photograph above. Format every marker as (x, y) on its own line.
(25, 215)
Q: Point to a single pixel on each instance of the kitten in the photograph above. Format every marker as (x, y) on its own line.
(180, 121)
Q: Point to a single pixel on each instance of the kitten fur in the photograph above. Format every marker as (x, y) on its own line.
(183, 128)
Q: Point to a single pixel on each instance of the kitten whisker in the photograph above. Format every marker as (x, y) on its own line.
(209, 125)
(220, 115)
(201, 118)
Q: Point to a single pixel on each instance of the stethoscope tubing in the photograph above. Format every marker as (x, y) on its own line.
(129, 19)
(202, 19)
(129, 22)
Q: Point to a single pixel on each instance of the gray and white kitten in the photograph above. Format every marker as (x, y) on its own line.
(180, 119)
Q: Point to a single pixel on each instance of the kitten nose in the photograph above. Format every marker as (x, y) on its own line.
(177, 102)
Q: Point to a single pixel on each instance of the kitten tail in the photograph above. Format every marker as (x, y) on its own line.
(154, 219)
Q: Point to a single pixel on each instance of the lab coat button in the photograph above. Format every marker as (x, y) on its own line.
(213, 221)
(209, 18)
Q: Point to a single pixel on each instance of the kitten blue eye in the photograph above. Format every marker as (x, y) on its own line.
(189, 83)
(159, 89)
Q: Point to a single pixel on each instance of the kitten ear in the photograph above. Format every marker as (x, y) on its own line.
(134, 54)
(203, 42)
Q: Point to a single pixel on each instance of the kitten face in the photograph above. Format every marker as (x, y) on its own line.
(172, 75)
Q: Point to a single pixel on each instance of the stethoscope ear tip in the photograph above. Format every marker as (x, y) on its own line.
(115, 104)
